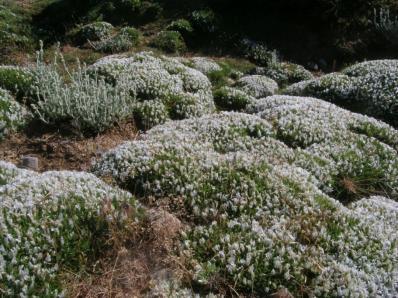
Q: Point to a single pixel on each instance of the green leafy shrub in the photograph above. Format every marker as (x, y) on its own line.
(181, 25)
(169, 41)
(231, 99)
(204, 21)
(13, 116)
(123, 41)
(55, 221)
(17, 80)
(259, 53)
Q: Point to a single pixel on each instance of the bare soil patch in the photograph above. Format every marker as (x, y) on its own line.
(59, 151)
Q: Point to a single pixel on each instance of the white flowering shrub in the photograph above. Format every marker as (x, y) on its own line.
(285, 73)
(123, 41)
(232, 99)
(372, 85)
(13, 115)
(53, 221)
(96, 31)
(257, 86)
(82, 100)
(18, 80)
(161, 87)
(204, 65)
(277, 205)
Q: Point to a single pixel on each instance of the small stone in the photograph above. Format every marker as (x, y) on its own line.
(30, 162)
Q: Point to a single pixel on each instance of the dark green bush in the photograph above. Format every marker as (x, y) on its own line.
(181, 25)
(17, 80)
(204, 21)
(169, 41)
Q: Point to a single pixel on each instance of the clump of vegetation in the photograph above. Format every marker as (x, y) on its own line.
(262, 193)
(181, 25)
(96, 31)
(124, 40)
(54, 222)
(170, 41)
(387, 25)
(369, 86)
(13, 116)
(257, 86)
(85, 101)
(17, 80)
(231, 99)
(204, 21)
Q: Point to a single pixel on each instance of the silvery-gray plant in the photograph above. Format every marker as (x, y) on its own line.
(387, 25)
(81, 99)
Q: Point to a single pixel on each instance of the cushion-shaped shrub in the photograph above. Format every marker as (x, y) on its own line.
(169, 41)
(17, 80)
(231, 99)
(13, 115)
(181, 25)
(264, 211)
(257, 86)
(96, 31)
(123, 41)
(285, 73)
(204, 65)
(161, 87)
(370, 87)
(53, 221)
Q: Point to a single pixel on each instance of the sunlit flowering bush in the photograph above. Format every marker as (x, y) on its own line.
(17, 80)
(285, 73)
(96, 31)
(281, 205)
(162, 87)
(123, 41)
(371, 87)
(257, 86)
(53, 221)
(13, 115)
(204, 65)
(271, 205)
(232, 99)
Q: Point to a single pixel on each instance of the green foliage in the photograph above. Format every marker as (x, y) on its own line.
(17, 80)
(169, 41)
(204, 21)
(13, 116)
(96, 31)
(123, 41)
(181, 25)
(231, 99)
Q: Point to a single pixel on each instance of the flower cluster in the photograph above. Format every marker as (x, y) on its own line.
(285, 73)
(12, 115)
(281, 205)
(370, 87)
(162, 87)
(257, 86)
(50, 221)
